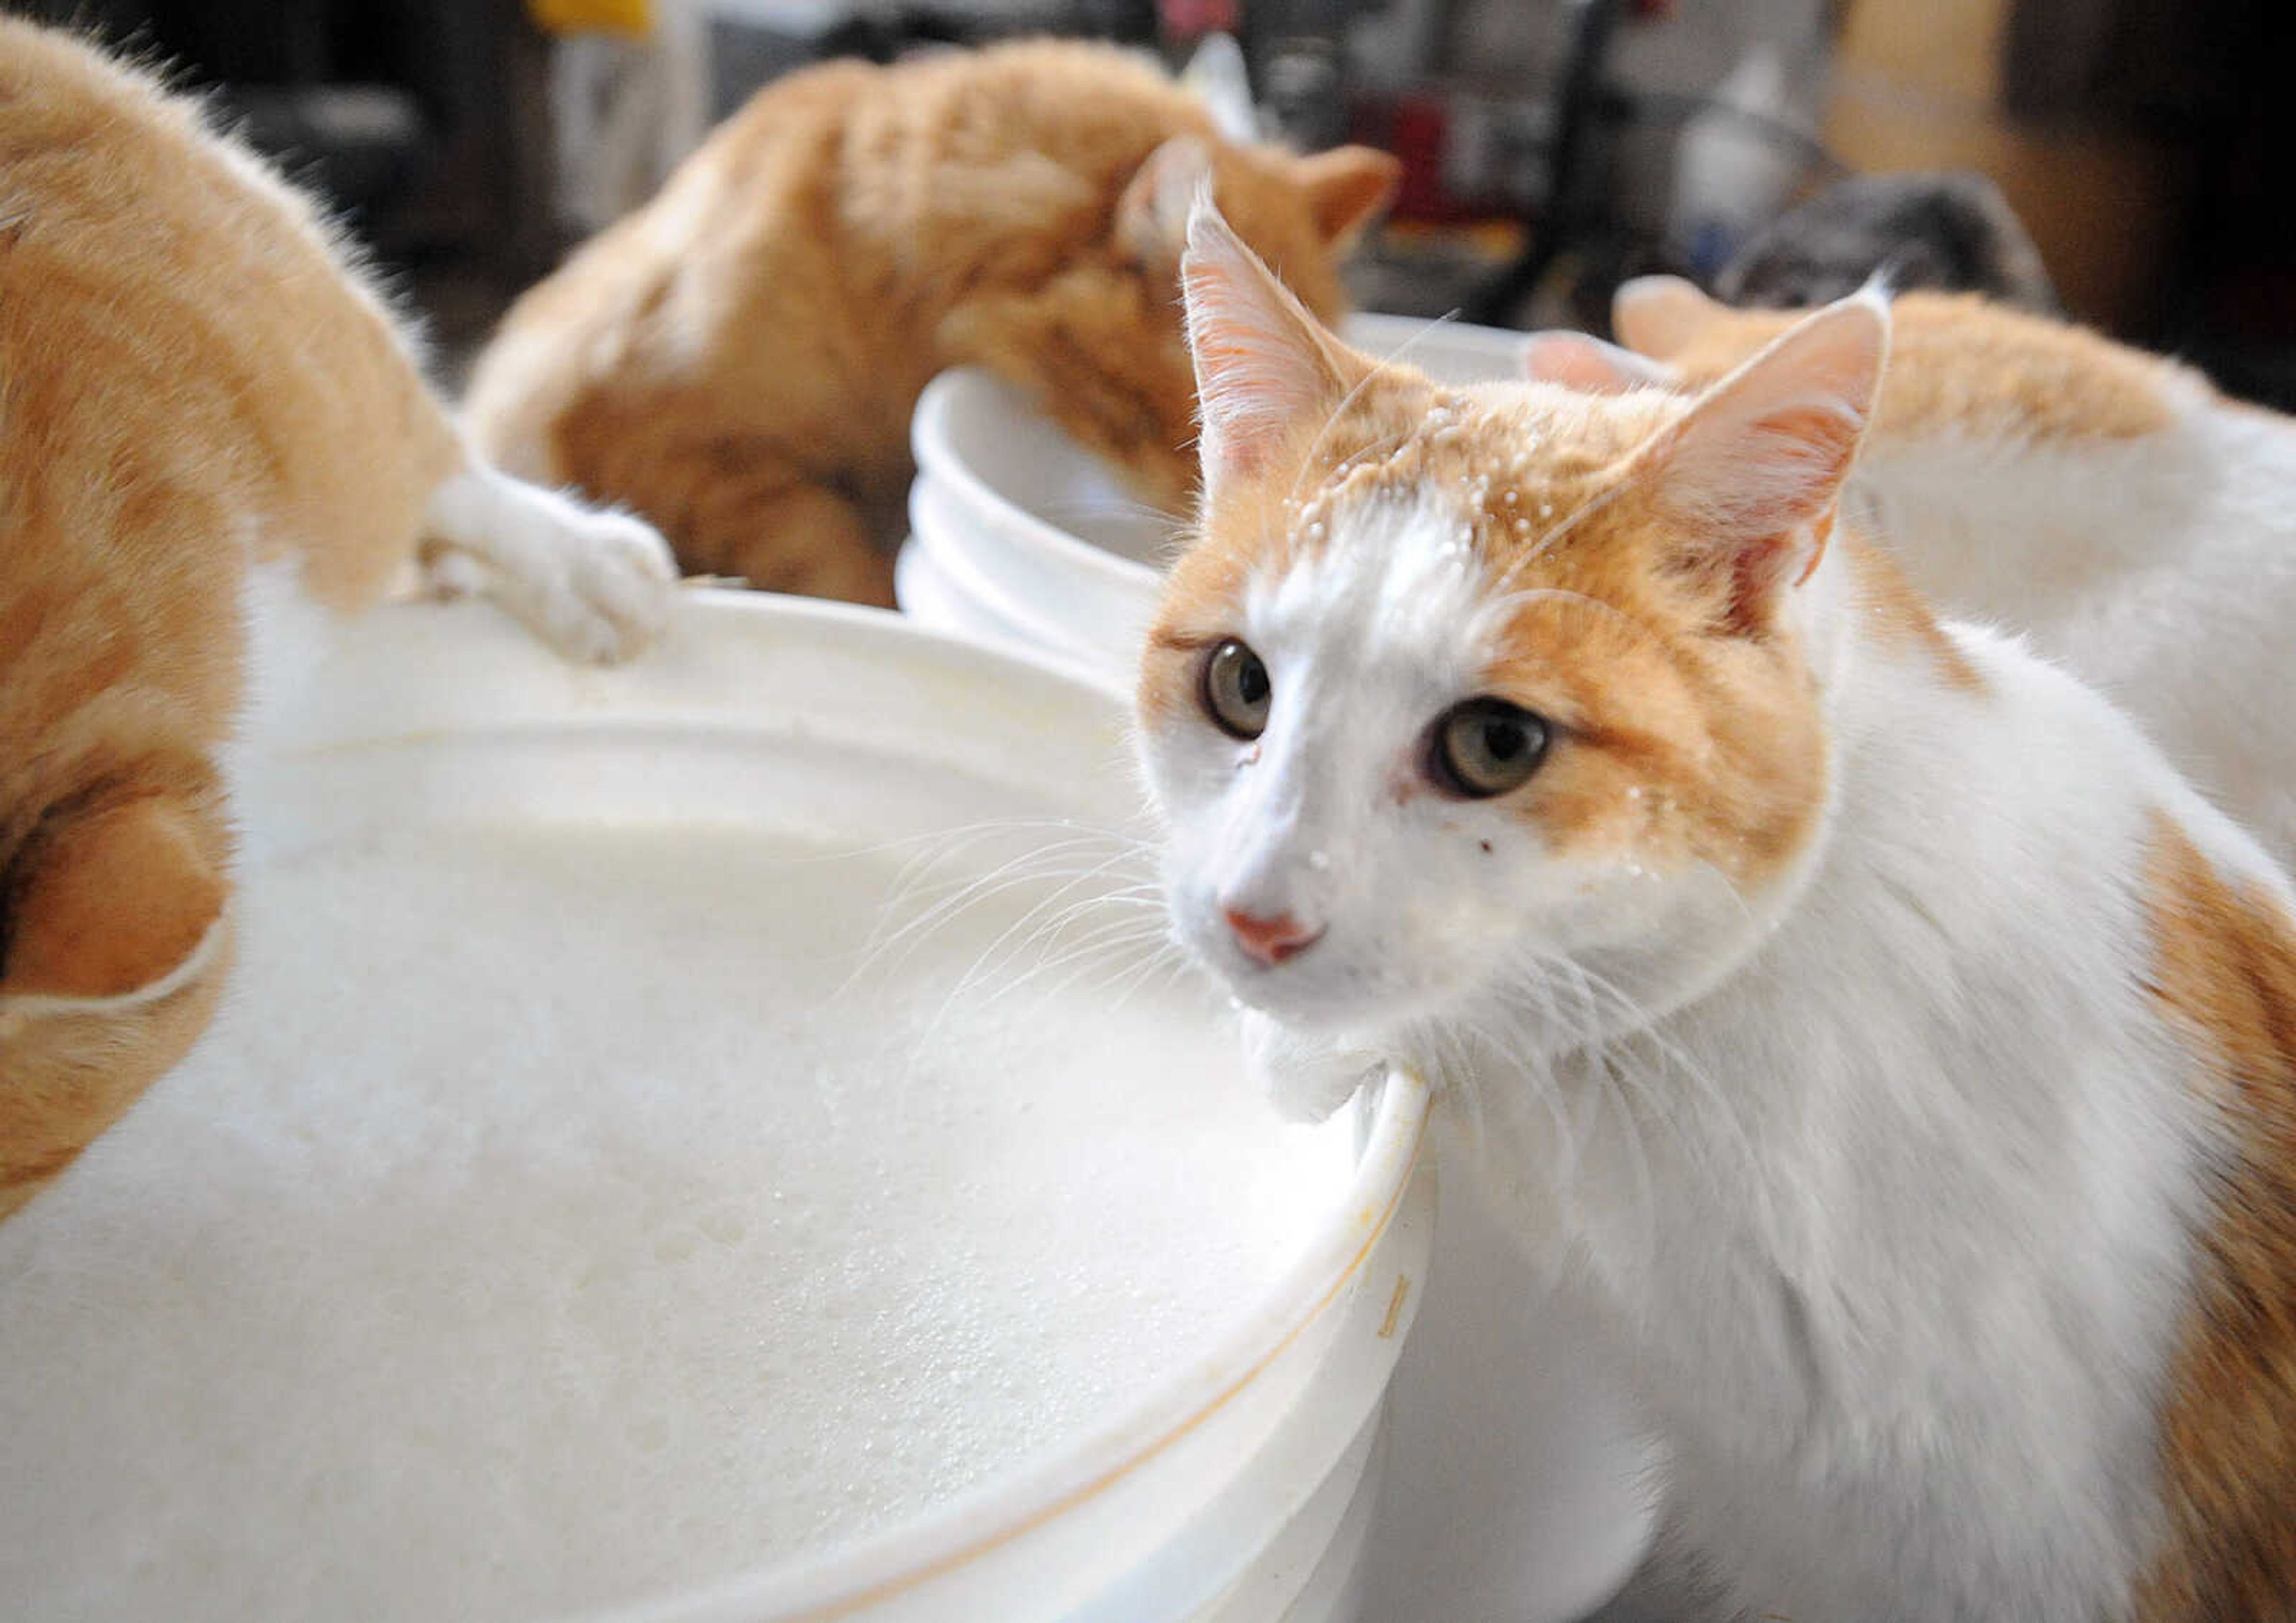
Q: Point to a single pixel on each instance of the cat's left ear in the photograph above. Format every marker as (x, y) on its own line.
(1752, 474)
(1347, 187)
(1264, 365)
(1152, 214)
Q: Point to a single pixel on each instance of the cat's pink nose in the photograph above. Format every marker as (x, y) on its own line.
(1271, 940)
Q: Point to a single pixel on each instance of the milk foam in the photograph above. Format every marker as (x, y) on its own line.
(545, 1223)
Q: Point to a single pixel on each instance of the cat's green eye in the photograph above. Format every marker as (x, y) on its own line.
(1236, 690)
(1485, 747)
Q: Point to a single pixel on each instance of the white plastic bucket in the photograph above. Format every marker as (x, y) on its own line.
(1517, 1487)
(1241, 1488)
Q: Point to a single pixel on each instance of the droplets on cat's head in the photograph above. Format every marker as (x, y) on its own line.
(1537, 674)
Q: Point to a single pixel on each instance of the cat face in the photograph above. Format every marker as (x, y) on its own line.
(1458, 687)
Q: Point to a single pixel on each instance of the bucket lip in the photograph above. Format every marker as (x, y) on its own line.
(933, 446)
(883, 1565)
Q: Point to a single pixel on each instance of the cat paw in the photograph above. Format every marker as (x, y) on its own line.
(609, 595)
(595, 585)
(1304, 1078)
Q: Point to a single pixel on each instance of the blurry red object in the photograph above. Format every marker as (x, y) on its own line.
(1185, 19)
(1417, 126)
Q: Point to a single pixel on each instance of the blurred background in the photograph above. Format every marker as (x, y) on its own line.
(1551, 147)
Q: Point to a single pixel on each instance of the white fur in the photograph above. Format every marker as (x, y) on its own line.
(596, 584)
(1884, 1179)
(2162, 569)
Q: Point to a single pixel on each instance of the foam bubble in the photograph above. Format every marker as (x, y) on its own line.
(546, 1222)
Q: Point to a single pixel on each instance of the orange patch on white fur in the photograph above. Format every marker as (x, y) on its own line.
(2224, 976)
(1898, 618)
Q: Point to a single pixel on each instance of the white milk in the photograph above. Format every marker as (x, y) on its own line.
(544, 1223)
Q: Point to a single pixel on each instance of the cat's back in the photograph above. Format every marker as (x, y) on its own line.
(739, 251)
(178, 327)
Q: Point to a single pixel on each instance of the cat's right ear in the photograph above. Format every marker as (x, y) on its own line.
(1659, 316)
(1588, 365)
(1346, 188)
(1752, 473)
(1264, 365)
(116, 904)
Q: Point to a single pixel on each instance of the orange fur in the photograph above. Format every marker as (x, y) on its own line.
(2225, 973)
(186, 378)
(738, 360)
(1958, 363)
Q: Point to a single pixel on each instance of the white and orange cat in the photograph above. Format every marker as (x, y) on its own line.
(2107, 503)
(192, 384)
(1888, 1050)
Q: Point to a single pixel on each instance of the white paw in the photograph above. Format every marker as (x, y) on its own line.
(619, 584)
(596, 585)
(1304, 1078)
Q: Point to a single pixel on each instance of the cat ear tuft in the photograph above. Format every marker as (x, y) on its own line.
(1347, 187)
(1151, 215)
(1588, 365)
(1659, 316)
(1262, 364)
(1753, 472)
(109, 903)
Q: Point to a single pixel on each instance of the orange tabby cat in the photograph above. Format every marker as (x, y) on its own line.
(190, 383)
(739, 359)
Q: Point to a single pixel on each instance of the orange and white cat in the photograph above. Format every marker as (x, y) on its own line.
(1885, 1046)
(2109, 505)
(191, 383)
(739, 359)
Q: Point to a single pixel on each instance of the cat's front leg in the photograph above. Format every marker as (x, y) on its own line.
(1304, 1078)
(596, 584)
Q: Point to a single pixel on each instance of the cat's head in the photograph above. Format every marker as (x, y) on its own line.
(1456, 687)
(114, 941)
(1099, 343)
